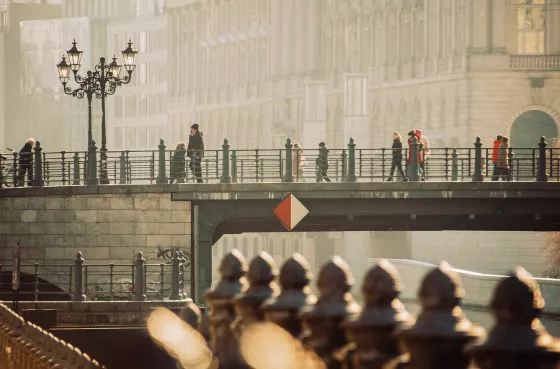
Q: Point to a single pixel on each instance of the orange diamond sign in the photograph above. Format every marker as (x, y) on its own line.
(290, 211)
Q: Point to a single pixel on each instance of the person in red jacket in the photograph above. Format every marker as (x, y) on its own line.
(495, 151)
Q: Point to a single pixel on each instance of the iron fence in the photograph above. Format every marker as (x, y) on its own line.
(279, 165)
(78, 281)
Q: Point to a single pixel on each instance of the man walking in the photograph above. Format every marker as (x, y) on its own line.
(195, 151)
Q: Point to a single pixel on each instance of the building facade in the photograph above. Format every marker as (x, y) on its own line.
(138, 111)
(258, 71)
(14, 127)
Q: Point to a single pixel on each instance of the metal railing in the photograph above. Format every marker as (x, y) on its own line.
(349, 164)
(78, 281)
(24, 345)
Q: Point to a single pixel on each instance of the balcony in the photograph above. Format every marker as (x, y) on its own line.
(540, 63)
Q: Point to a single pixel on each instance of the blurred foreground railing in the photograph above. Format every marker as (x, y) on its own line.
(351, 164)
(24, 345)
(79, 281)
(263, 319)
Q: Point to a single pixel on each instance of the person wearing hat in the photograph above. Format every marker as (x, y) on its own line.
(323, 163)
(195, 151)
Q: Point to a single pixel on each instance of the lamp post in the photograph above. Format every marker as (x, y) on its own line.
(99, 83)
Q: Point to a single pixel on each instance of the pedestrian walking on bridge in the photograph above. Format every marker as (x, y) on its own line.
(323, 163)
(397, 157)
(195, 151)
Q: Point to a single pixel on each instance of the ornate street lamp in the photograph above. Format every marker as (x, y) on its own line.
(101, 82)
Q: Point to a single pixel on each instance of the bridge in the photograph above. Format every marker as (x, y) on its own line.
(229, 165)
(197, 215)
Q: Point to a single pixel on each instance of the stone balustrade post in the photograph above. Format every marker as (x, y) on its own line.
(37, 180)
(122, 168)
(518, 340)
(139, 278)
(374, 330)
(175, 277)
(296, 295)
(542, 176)
(289, 173)
(326, 336)
(162, 177)
(351, 177)
(478, 177)
(454, 166)
(78, 278)
(93, 179)
(226, 177)
(76, 164)
(414, 166)
(441, 333)
(262, 286)
(223, 342)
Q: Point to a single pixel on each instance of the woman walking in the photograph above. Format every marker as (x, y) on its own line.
(503, 164)
(323, 163)
(298, 162)
(178, 167)
(397, 157)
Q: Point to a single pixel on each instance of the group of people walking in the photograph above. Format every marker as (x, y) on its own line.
(321, 163)
(194, 151)
(397, 151)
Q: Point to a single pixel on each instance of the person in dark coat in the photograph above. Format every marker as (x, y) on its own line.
(178, 166)
(396, 163)
(195, 151)
(323, 163)
(26, 163)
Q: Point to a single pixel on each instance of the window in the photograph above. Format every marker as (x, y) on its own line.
(143, 137)
(143, 42)
(3, 19)
(130, 138)
(531, 26)
(131, 106)
(142, 74)
(118, 106)
(143, 105)
(152, 104)
(118, 138)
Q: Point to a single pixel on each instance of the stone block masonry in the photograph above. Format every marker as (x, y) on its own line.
(106, 228)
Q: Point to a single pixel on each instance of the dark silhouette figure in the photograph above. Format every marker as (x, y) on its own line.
(26, 163)
(323, 163)
(195, 151)
(178, 166)
(397, 157)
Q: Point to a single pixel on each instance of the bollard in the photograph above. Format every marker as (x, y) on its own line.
(326, 336)
(441, 333)
(351, 177)
(122, 168)
(76, 159)
(296, 295)
(78, 278)
(289, 174)
(262, 286)
(93, 180)
(454, 166)
(478, 177)
(414, 175)
(518, 339)
(139, 278)
(226, 177)
(374, 330)
(175, 277)
(162, 177)
(542, 176)
(223, 342)
(37, 180)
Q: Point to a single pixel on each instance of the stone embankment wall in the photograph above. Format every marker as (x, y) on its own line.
(104, 227)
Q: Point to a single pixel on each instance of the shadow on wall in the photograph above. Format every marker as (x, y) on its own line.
(47, 290)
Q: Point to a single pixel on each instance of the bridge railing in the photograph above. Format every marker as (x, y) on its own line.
(80, 281)
(280, 165)
(261, 318)
(24, 345)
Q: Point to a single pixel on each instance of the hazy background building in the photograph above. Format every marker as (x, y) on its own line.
(258, 71)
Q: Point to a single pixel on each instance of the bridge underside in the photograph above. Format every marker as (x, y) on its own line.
(487, 207)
